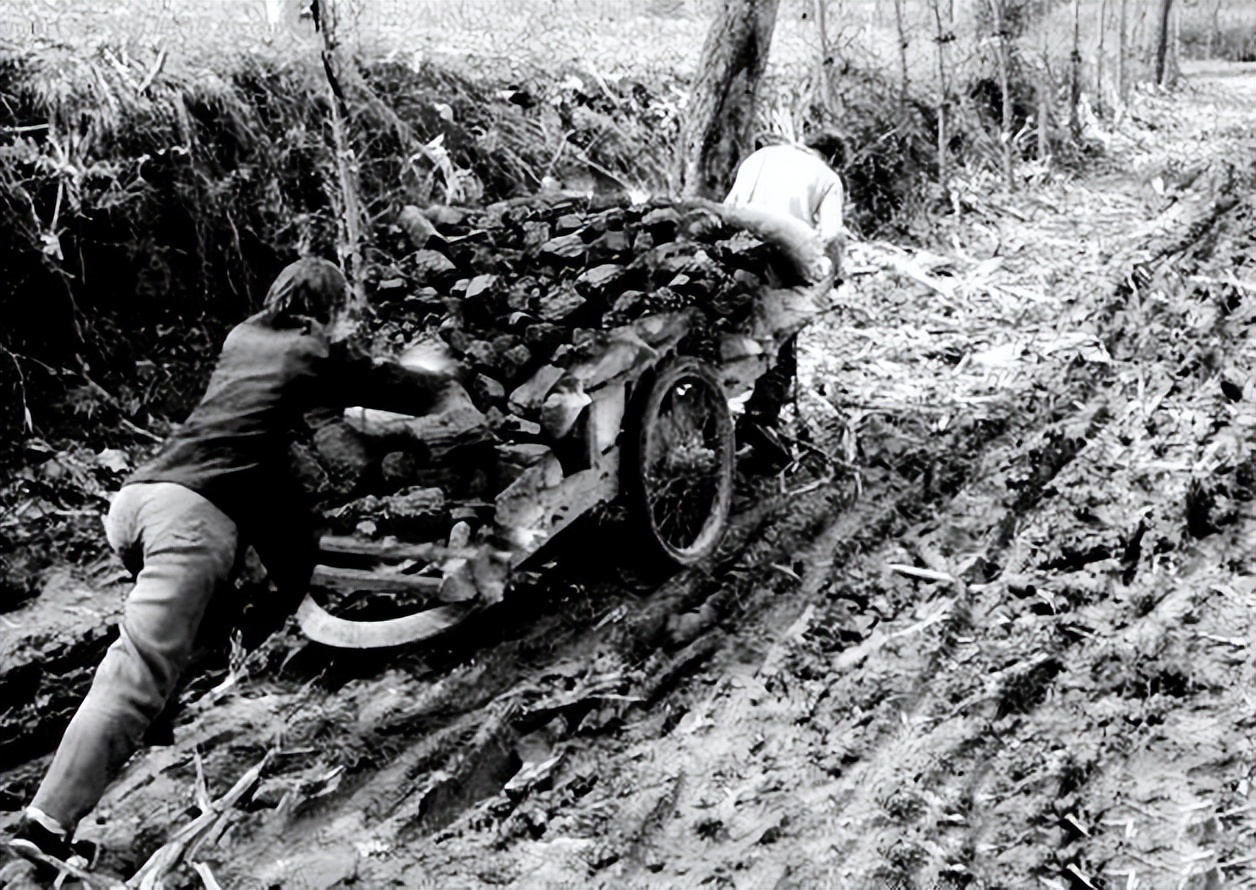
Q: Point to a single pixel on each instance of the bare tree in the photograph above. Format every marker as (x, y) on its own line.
(1122, 55)
(1045, 89)
(716, 128)
(1162, 39)
(1075, 74)
(1175, 57)
(822, 70)
(1138, 33)
(349, 217)
(1099, 50)
(1214, 27)
(999, 15)
(943, 35)
(903, 42)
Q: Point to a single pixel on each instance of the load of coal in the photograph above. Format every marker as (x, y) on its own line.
(518, 291)
(543, 280)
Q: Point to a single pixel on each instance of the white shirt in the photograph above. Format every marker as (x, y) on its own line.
(793, 181)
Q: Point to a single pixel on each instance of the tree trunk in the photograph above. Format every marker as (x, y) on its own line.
(942, 37)
(1044, 112)
(1122, 53)
(1005, 126)
(717, 125)
(822, 70)
(1162, 40)
(1045, 88)
(1175, 50)
(1138, 38)
(1075, 74)
(349, 215)
(1214, 28)
(1099, 49)
(903, 42)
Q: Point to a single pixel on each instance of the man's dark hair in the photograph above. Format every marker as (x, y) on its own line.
(830, 146)
(309, 288)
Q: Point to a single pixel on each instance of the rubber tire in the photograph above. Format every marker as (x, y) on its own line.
(645, 413)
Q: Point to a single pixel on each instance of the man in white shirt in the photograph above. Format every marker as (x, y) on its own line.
(796, 181)
(793, 181)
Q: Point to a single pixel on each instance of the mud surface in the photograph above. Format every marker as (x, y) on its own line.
(1001, 635)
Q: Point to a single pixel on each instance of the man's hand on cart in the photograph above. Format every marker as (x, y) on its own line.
(434, 357)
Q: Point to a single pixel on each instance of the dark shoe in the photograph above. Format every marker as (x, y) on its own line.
(767, 444)
(32, 840)
(39, 844)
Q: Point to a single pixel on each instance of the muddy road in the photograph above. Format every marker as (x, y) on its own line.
(995, 629)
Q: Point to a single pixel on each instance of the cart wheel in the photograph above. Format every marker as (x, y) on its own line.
(679, 468)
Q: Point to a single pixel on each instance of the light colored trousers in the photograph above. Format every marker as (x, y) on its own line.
(188, 547)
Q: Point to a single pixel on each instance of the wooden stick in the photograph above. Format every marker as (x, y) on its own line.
(922, 574)
(152, 72)
(338, 545)
(140, 431)
(350, 580)
(167, 858)
(206, 876)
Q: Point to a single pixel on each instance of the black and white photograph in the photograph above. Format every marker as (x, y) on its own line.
(627, 444)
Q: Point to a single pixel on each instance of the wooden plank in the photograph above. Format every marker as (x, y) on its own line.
(542, 502)
(323, 627)
(349, 580)
(454, 421)
(606, 417)
(340, 545)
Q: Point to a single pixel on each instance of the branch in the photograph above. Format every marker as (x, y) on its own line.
(152, 72)
(188, 840)
(27, 422)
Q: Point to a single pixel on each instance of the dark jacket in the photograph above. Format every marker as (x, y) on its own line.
(233, 449)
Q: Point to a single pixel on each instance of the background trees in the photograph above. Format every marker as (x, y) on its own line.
(160, 161)
(719, 119)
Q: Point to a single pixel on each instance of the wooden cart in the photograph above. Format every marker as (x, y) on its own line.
(642, 422)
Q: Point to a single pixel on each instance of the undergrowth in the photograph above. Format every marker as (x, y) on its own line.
(145, 218)
(149, 202)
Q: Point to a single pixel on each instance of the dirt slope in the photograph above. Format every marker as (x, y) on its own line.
(1007, 642)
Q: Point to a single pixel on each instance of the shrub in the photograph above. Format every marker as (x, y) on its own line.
(140, 208)
(1233, 39)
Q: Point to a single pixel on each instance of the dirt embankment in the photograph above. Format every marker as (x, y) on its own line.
(1009, 642)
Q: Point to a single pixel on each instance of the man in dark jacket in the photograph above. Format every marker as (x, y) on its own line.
(222, 481)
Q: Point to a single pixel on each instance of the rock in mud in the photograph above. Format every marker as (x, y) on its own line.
(400, 468)
(565, 250)
(434, 268)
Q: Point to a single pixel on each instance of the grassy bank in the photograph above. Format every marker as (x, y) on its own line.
(140, 208)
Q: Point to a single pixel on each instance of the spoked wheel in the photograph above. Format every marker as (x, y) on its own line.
(679, 467)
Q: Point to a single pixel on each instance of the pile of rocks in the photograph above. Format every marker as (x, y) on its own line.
(543, 300)
(538, 282)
